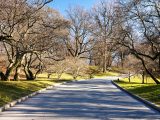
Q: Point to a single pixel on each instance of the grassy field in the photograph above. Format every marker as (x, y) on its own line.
(64, 76)
(150, 91)
(11, 90)
(108, 73)
(54, 76)
(138, 79)
(69, 77)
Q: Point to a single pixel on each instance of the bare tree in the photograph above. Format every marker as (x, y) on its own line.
(49, 28)
(58, 67)
(138, 31)
(78, 41)
(102, 28)
(77, 67)
(17, 18)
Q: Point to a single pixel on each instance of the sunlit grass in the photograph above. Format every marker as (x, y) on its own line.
(150, 92)
(43, 75)
(11, 90)
(138, 79)
(108, 73)
(64, 76)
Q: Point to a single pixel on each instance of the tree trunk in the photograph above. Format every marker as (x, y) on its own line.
(129, 77)
(2, 76)
(104, 62)
(5, 77)
(143, 77)
(9, 71)
(59, 76)
(74, 77)
(159, 63)
(109, 61)
(16, 76)
(49, 74)
(147, 71)
(29, 74)
(151, 75)
(11, 67)
(122, 60)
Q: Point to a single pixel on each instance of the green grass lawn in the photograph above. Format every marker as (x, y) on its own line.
(150, 92)
(64, 76)
(11, 90)
(54, 76)
(138, 79)
(108, 73)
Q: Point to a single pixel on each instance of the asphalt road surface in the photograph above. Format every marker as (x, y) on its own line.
(95, 99)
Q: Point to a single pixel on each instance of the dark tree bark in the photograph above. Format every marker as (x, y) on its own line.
(159, 63)
(49, 75)
(29, 74)
(146, 69)
(143, 74)
(17, 73)
(11, 67)
(129, 77)
(2, 76)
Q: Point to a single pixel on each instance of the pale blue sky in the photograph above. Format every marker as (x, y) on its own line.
(62, 5)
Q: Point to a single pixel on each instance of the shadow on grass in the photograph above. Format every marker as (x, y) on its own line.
(11, 90)
(63, 80)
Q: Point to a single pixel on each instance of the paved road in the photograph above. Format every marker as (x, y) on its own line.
(94, 99)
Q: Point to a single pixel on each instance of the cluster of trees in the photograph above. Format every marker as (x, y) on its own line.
(28, 30)
(73, 66)
(138, 31)
(123, 33)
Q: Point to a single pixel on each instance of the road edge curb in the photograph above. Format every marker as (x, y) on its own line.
(147, 103)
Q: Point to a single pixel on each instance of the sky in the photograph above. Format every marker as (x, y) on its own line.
(62, 5)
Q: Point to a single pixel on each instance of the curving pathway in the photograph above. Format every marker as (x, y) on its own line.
(95, 99)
